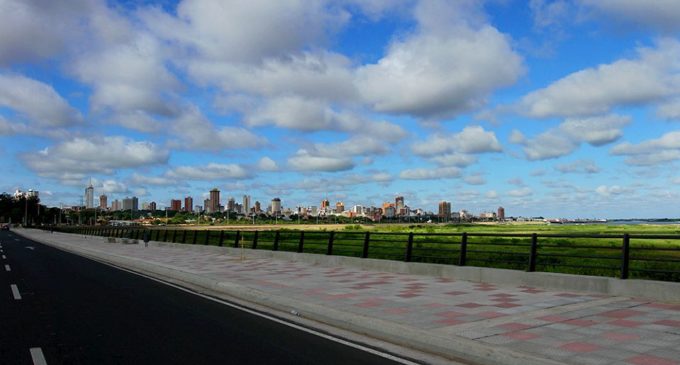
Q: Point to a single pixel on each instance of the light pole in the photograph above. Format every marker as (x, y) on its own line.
(26, 211)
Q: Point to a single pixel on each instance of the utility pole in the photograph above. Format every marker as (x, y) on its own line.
(26, 211)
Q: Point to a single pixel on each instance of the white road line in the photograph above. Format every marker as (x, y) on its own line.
(37, 356)
(278, 320)
(7, 268)
(15, 292)
(4, 257)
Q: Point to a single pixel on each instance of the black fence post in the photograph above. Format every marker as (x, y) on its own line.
(367, 238)
(238, 237)
(625, 256)
(409, 247)
(174, 235)
(302, 241)
(532, 253)
(165, 236)
(193, 240)
(255, 241)
(184, 236)
(221, 238)
(158, 235)
(331, 235)
(207, 238)
(275, 247)
(463, 250)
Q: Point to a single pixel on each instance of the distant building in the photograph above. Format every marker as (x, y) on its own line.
(258, 206)
(444, 209)
(131, 204)
(153, 207)
(207, 205)
(214, 200)
(399, 203)
(390, 211)
(501, 214)
(188, 204)
(339, 207)
(246, 204)
(231, 204)
(176, 205)
(89, 196)
(198, 208)
(115, 205)
(276, 206)
(325, 204)
(103, 201)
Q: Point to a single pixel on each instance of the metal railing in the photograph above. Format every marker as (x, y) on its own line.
(655, 257)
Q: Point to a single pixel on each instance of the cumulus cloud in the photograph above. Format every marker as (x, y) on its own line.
(520, 193)
(650, 77)
(651, 152)
(79, 156)
(578, 167)
(303, 160)
(267, 164)
(471, 140)
(212, 171)
(454, 159)
(670, 110)
(656, 14)
(608, 191)
(112, 187)
(139, 179)
(36, 101)
(430, 174)
(447, 67)
(475, 179)
(571, 133)
(196, 132)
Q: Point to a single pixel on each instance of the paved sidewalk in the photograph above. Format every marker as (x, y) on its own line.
(565, 327)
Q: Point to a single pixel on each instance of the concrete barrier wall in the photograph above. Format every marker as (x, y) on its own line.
(656, 290)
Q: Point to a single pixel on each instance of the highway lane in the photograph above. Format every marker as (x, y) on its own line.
(73, 310)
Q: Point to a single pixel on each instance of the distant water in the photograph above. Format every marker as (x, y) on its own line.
(617, 222)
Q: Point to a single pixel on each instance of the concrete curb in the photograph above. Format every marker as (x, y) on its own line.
(451, 347)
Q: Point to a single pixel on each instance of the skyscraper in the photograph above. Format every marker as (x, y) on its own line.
(176, 205)
(207, 206)
(214, 200)
(188, 204)
(103, 201)
(325, 204)
(89, 196)
(339, 207)
(246, 204)
(131, 204)
(399, 203)
(276, 206)
(231, 204)
(152, 206)
(501, 214)
(444, 209)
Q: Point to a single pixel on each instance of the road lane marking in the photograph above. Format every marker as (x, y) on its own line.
(4, 257)
(37, 356)
(30, 248)
(15, 292)
(7, 268)
(16, 239)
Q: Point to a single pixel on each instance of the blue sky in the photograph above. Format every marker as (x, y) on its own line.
(565, 108)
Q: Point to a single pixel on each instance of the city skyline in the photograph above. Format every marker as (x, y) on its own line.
(564, 108)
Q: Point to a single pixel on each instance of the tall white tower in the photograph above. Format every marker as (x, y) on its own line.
(89, 196)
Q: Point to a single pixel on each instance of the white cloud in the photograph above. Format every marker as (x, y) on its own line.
(198, 133)
(455, 159)
(304, 161)
(475, 179)
(491, 194)
(430, 174)
(79, 156)
(472, 139)
(569, 135)
(579, 167)
(210, 172)
(447, 67)
(670, 110)
(520, 193)
(152, 180)
(267, 164)
(547, 14)
(656, 14)
(112, 187)
(651, 152)
(607, 191)
(649, 78)
(37, 101)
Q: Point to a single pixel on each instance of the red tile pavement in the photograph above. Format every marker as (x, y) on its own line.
(514, 326)
(369, 303)
(456, 293)
(450, 321)
(450, 314)
(520, 335)
(580, 347)
(626, 323)
(669, 323)
(673, 307)
(491, 314)
(623, 313)
(650, 360)
(553, 318)
(581, 322)
(506, 305)
(397, 310)
(620, 337)
(470, 305)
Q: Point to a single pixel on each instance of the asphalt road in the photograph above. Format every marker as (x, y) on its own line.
(73, 310)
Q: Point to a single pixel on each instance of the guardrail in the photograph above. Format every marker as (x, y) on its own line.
(655, 257)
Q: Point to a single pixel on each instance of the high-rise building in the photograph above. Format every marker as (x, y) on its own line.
(198, 208)
(325, 204)
(399, 203)
(214, 200)
(246, 204)
(188, 204)
(152, 206)
(444, 209)
(131, 204)
(258, 206)
(115, 205)
(501, 214)
(176, 205)
(207, 206)
(231, 204)
(89, 196)
(276, 206)
(339, 207)
(103, 201)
